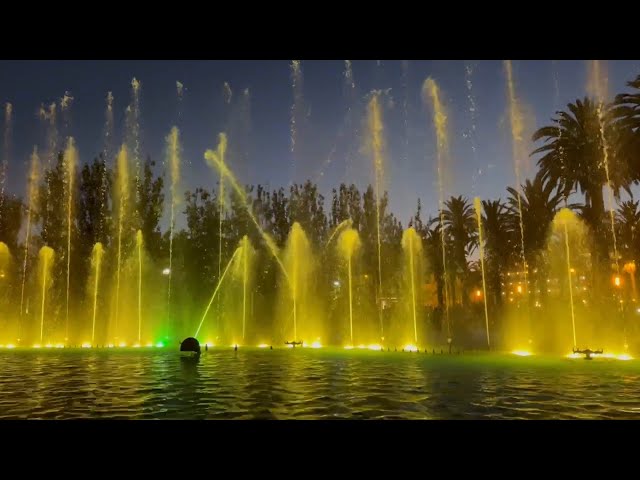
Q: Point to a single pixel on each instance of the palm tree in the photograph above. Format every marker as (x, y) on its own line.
(461, 227)
(628, 230)
(540, 202)
(573, 158)
(625, 112)
(499, 243)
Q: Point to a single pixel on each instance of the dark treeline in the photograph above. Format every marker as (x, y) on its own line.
(570, 154)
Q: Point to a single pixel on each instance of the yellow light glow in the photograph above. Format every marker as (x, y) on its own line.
(374, 347)
(149, 345)
(263, 345)
(478, 293)
(362, 347)
(137, 345)
(522, 353)
(48, 345)
(11, 345)
(519, 288)
(111, 345)
(86, 345)
(410, 348)
(289, 345)
(37, 345)
(617, 281)
(59, 345)
(574, 355)
(348, 347)
(1, 346)
(316, 345)
(624, 356)
(122, 344)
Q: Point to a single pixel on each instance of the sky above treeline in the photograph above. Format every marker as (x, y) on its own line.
(327, 102)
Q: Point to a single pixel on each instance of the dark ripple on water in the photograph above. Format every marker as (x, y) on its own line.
(300, 385)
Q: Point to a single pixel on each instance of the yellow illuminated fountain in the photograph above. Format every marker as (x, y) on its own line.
(70, 163)
(431, 95)
(45, 268)
(478, 208)
(348, 244)
(123, 197)
(96, 263)
(413, 279)
(139, 243)
(174, 152)
(32, 190)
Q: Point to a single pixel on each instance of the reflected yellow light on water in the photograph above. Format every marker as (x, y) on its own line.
(48, 345)
(137, 345)
(289, 345)
(36, 345)
(362, 347)
(122, 344)
(522, 353)
(86, 345)
(316, 345)
(410, 348)
(348, 347)
(11, 345)
(59, 345)
(263, 345)
(374, 347)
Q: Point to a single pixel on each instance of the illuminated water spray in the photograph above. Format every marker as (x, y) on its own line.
(139, 248)
(32, 189)
(374, 117)
(478, 207)
(516, 120)
(96, 261)
(296, 109)
(412, 247)
(48, 116)
(215, 291)
(173, 146)
(123, 196)
(70, 163)
(564, 216)
(4, 167)
(106, 156)
(348, 244)
(215, 159)
(431, 94)
(46, 263)
(598, 88)
(345, 223)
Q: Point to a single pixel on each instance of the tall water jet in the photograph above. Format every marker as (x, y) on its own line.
(133, 129)
(412, 248)
(296, 112)
(4, 166)
(478, 207)
(45, 264)
(174, 151)
(217, 289)
(123, 197)
(348, 244)
(297, 299)
(106, 157)
(431, 94)
(516, 121)
(48, 116)
(216, 160)
(5, 258)
(139, 249)
(32, 191)
(375, 127)
(564, 216)
(242, 267)
(70, 162)
(597, 86)
(96, 261)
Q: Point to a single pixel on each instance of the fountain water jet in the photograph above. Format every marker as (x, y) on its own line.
(123, 195)
(70, 162)
(173, 146)
(215, 159)
(348, 244)
(139, 248)
(96, 260)
(412, 247)
(46, 264)
(478, 207)
(431, 92)
(215, 291)
(516, 121)
(32, 189)
(5, 160)
(374, 117)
